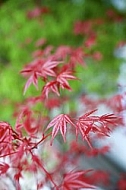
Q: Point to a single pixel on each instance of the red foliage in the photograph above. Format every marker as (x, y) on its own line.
(60, 123)
(75, 180)
(62, 79)
(24, 145)
(6, 138)
(96, 124)
(31, 132)
(3, 168)
(39, 68)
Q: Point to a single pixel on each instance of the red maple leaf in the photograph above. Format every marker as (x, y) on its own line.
(96, 124)
(61, 81)
(76, 180)
(17, 178)
(27, 120)
(63, 77)
(84, 125)
(60, 123)
(38, 68)
(3, 168)
(47, 68)
(50, 86)
(116, 103)
(6, 138)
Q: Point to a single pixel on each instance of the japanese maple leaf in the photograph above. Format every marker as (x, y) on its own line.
(27, 120)
(63, 77)
(4, 168)
(61, 81)
(32, 70)
(96, 124)
(6, 138)
(76, 180)
(59, 123)
(50, 86)
(106, 120)
(17, 178)
(116, 103)
(32, 80)
(85, 123)
(47, 68)
(39, 68)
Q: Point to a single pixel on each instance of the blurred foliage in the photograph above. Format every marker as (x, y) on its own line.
(18, 35)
